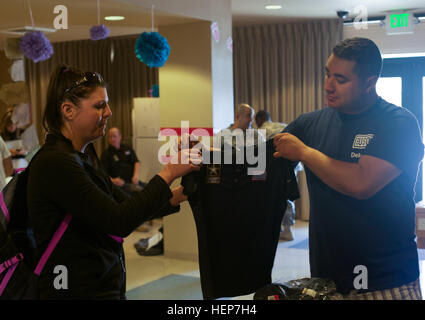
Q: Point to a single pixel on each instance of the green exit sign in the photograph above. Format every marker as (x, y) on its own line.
(400, 20)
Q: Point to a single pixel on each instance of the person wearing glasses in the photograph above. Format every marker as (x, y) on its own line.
(65, 179)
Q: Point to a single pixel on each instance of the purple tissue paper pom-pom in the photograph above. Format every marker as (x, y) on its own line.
(99, 32)
(35, 46)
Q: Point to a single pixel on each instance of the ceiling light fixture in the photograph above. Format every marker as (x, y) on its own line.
(273, 7)
(351, 23)
(114, 18)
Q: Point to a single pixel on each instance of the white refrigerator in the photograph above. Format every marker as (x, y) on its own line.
(146, 127)
(180, 238)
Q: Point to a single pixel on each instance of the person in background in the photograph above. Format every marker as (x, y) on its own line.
(11, 134)
(6, 169)
(9, 130)
(244, 115)
(120, 162)
(263, 121)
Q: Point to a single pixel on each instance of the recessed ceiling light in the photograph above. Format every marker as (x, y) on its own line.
(273, 7)
(114, 18)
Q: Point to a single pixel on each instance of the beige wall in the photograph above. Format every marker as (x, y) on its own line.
(185, 79)
(185, 95)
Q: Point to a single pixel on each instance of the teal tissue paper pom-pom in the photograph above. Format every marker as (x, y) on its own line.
(152, 49)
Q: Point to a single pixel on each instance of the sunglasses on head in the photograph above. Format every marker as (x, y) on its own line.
(89, 78)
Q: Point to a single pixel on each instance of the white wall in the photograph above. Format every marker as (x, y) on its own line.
(390, 44)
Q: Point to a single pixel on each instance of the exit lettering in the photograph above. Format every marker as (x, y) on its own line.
(399, 20)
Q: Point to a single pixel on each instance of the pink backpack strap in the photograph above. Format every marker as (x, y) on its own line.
(52, 245)
(55, 239)
(3, 207)
(7, 277)
(117, 239)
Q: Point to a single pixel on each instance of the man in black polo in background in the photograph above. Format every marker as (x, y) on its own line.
(121, 163)
(361, 156)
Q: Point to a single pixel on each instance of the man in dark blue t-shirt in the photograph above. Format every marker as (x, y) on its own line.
(362, 156)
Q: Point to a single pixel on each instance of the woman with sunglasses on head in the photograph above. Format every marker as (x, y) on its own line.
(66, 182)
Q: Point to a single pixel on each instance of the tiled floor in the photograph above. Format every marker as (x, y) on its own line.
(145, 269)
(289, 263)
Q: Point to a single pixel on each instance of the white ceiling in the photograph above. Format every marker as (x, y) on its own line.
(83, 14)
(254, 12)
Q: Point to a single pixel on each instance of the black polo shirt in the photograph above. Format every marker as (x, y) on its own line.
(119, 162)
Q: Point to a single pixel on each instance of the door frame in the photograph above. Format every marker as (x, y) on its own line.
(412, 72)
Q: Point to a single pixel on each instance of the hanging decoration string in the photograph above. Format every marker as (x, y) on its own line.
(151, 48)
(32, 19)
(100, 31)
(153, 6)
(98, 12)
(34, 44)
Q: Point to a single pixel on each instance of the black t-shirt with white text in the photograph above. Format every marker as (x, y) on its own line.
(238, 218)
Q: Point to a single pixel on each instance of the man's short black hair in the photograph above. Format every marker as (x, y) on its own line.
(364, 52)
(263, 115)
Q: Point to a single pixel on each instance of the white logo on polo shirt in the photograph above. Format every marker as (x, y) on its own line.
(361, 141)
